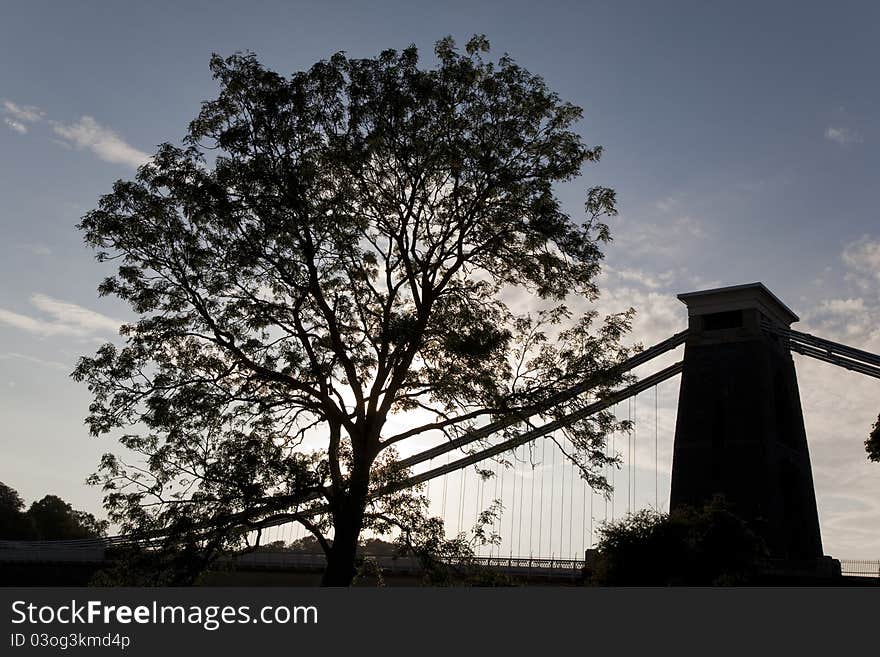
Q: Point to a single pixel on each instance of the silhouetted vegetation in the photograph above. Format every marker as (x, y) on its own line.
(696, 547)
(50, 518)
(324, 251)
(14, 523)
(872, 444)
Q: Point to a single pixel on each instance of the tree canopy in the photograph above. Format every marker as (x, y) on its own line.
(326, 251)
(49, 518)
(13, 523)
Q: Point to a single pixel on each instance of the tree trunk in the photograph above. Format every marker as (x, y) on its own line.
(348, 515)
(341, 559)
(348, 520)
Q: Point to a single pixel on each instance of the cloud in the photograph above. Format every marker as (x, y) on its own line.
(667, 204)
(88, 134)
(18, 116)
(27, 113)
(65, 319)
(37, 249)
(11, 355)
(842, 135)
(85, 134)
(862, 260)
(843, 306)
(652, 281)
(20, 128)
(667, 238)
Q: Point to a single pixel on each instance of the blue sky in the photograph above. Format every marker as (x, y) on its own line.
(741, 139)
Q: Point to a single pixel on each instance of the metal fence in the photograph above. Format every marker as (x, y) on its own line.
(860, 568)
(406, 564)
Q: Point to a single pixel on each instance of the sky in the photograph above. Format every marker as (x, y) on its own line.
(741, 140)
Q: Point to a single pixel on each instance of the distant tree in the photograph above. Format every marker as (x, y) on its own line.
(14, 524)
(274, 546)
(54, 519)
(326, 251)
(308, 544)
(708, 546)
(872, 444)
(50, 518)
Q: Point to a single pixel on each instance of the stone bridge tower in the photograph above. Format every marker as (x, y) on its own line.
(740, 428)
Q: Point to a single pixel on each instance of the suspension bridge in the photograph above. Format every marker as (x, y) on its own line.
(738, 431)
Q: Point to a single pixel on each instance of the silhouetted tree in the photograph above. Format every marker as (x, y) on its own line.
(54, 519)
(50, 518)
(707, 546)
(872, 444)
(328, 250)
(14, 524)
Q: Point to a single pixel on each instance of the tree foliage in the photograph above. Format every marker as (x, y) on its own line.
(14, 524)
(49, 518)
(54, 519)
(872, 444)
(696, 547)
(326, 251)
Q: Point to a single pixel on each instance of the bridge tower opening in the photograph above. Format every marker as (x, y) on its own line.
(740, 428)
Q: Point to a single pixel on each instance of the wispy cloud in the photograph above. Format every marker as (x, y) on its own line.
(666, 237)
(18, 126)
(843, 306)
(84, 134)
(862, 259)
(641, 277)
(842, 136)
(27, 113)
(667, 204)
(11, 355)
(37, 249)
(64, 319)
(18, 116)
(88, 134)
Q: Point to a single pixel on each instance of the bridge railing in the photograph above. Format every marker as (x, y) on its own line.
(860, 568)
(407, 563)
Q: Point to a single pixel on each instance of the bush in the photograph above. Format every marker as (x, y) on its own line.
(695, 547)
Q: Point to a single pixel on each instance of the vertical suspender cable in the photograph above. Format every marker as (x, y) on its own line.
(443, 510)
(541, 510)
(584, 511)
(656, 452)
(480, 485)
(607, 473)
(513, 501)
(532, 503)
(592, 494)
(552, 492)
(571, 510)
(629, 455)
(462, 482)
(494, 498)
(635, 433)
(501, 516)
(521, 490)
(613, 468)
(562, 502)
